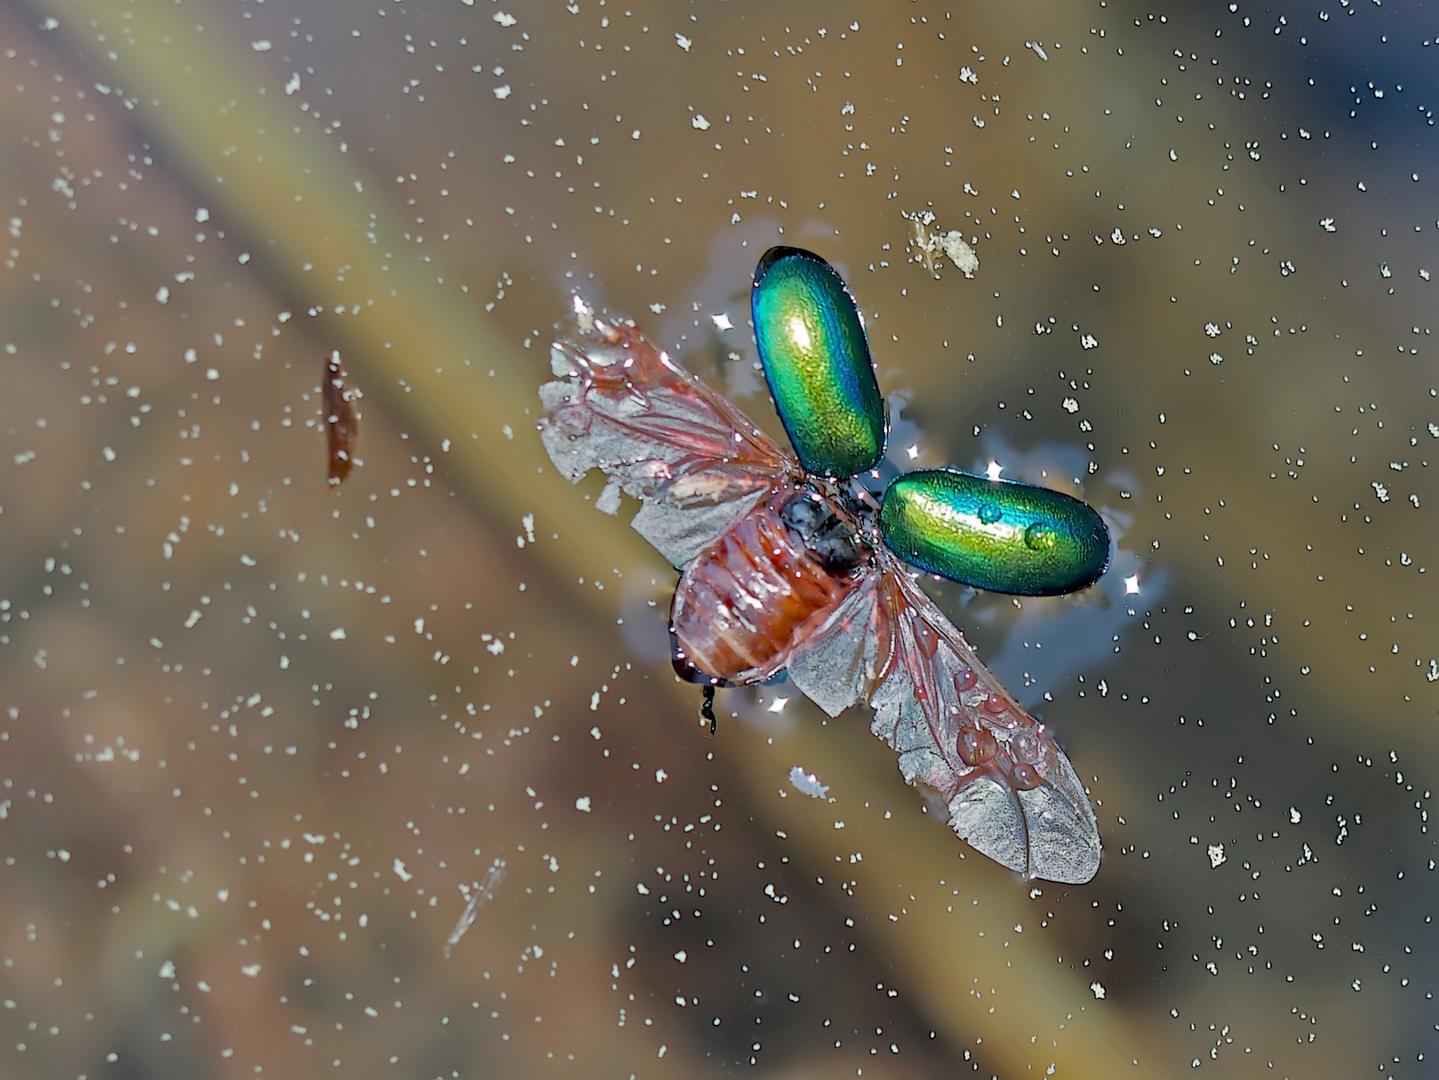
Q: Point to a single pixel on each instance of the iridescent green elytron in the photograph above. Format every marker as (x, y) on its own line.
(997, 535)
(994, 534)
(816, 361)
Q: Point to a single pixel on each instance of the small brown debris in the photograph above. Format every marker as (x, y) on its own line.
(342, 418)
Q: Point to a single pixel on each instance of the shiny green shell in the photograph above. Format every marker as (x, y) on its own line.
(816, 361)
(994, 534)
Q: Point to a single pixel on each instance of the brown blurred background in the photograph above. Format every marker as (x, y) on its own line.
(258, 734)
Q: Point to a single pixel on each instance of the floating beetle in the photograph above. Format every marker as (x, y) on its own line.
(789, 565)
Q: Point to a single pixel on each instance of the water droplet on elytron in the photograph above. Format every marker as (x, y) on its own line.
(1040, 537)
(994, 534)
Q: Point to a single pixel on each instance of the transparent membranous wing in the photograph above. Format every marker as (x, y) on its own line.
(693, 460)
(1008, 788)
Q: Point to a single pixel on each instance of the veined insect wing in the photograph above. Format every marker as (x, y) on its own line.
(1000, 535)
(1005, 785)
(660, 435)
(817, 363)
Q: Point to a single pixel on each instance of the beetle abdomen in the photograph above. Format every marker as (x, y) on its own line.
(738, 605)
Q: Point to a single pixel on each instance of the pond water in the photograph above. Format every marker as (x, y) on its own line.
(264, 737)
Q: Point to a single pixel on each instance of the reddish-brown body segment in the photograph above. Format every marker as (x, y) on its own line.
(740, 605)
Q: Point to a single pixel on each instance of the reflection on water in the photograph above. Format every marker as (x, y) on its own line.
(259, 733)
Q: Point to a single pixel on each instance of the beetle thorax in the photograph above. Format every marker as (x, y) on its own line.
(828, 537)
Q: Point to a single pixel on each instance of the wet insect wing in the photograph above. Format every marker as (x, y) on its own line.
(1011, 792)
(841, 660)
(1008, 788)
(816, 360)
(697, 465)
(994, 534)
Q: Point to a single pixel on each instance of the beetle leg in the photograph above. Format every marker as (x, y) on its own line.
(707, 708)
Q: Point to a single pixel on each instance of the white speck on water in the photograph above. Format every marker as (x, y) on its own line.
(807, 783)
(476, 895)
(960, 253)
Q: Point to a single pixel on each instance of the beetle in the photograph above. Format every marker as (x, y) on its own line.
(789, 566)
